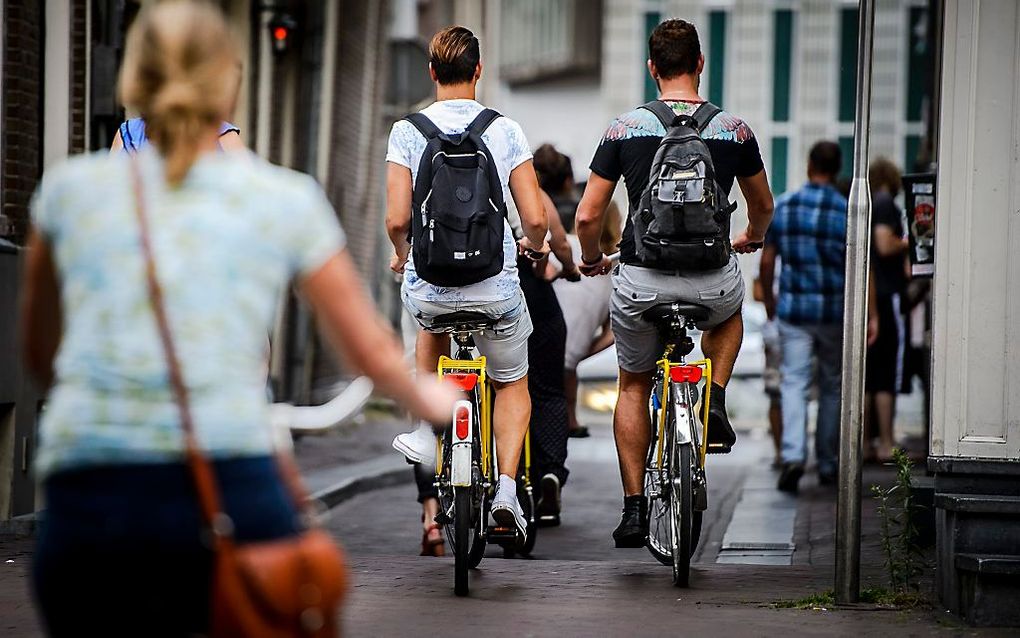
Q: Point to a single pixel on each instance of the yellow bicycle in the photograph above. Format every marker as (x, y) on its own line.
(675, 481)
(466, 466)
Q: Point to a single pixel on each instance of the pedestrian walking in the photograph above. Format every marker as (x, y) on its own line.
(661, 262)
(885, 372)
(546, 354)
(151, 281)
(809, 234)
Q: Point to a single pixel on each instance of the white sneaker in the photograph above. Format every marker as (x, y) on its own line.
(506, 510)
(418, 446)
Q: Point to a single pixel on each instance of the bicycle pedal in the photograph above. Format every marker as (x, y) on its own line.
(718, 448)
(503, 534)
(443, 519)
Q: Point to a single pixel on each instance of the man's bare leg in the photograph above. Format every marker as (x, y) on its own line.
(510, 418)
(721, 344)
(632, 428)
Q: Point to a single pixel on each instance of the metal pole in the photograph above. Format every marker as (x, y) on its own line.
(855, 323)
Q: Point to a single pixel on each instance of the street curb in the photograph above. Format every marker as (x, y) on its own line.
(348, 488)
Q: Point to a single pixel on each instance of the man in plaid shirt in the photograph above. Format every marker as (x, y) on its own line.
(808, 233)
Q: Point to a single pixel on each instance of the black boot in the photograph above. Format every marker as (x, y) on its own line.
(632, 532)
(721, 436)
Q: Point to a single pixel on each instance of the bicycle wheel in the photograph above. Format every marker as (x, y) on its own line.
(681, 510)
(656, 488)
(463, 530)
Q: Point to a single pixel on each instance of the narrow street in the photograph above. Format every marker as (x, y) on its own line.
(578, 584)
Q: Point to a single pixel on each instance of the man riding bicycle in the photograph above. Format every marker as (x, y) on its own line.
(628, 149)
(436, 189)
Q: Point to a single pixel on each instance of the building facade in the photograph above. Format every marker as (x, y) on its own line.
(309, 102)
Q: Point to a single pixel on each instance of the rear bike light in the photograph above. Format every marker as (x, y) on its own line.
(462, 380)
(685, 374)
(461, 421)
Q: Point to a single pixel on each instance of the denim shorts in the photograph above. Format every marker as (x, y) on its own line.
(505, 346)
(636, 289)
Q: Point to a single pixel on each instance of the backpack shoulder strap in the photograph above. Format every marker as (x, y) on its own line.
(705, 114)
(662, 111)
(482, 121)
(424, 125)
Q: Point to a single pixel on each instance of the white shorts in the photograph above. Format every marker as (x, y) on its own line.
(505, 346)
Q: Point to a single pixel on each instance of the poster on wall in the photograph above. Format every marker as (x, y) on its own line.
(919, 194)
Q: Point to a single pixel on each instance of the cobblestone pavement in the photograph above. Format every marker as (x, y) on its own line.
(577, 584)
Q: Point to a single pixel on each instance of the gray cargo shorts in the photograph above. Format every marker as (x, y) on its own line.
(636, 289)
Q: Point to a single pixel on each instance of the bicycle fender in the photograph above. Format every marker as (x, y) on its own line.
(460, 456)
(682, 413)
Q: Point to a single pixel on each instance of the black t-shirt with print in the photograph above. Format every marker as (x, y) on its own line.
(629, 144)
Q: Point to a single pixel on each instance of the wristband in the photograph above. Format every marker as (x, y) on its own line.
(592, 263)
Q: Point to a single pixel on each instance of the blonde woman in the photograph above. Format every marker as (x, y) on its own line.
(122, 550)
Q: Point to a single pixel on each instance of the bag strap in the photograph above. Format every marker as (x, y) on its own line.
(424, 125)
(662, 111)
(210, 503)
(704, 114)
(482, 121)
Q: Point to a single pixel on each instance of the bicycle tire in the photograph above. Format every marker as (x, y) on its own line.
(463, 529)
(659, 529)
(681, 506)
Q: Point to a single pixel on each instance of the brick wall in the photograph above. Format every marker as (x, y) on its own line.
(78, 92)
(21, 141)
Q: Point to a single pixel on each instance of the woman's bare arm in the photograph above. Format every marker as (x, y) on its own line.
(40, 310)
(231, 141)
(349, 319)
(118, 143)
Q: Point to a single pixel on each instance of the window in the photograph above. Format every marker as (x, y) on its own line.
(546, 39)
(782, 65)
(846, 148)
(848, 29)
(912, 147)
(918, 61)
(716, 56)
(780, 162)
(652, 20)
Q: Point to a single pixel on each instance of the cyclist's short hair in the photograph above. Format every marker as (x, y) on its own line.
(674, 48)
(453, 54)
(825, 158)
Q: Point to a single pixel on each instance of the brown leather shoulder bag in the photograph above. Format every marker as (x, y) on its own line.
(282, 588)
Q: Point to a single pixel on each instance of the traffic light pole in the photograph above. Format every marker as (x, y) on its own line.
(855, 326)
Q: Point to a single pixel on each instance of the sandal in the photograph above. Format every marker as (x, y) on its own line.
(432, 543)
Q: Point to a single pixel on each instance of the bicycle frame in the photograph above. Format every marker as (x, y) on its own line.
(667, 366)
(490, 468)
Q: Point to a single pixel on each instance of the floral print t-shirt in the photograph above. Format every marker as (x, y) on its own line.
(505, 140)
(227, 242)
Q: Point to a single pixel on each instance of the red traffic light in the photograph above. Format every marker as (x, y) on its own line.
(280, 33)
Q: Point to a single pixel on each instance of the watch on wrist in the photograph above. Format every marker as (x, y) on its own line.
(591, 263)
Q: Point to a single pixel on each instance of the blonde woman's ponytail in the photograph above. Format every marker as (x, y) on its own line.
(180, 73)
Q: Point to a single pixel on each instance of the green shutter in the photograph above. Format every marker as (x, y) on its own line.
(780, 161)
(652, 20)
(846, 148)
(918, 62)
(848, 28)
(913, 147)
(716, 56)
(782, 64)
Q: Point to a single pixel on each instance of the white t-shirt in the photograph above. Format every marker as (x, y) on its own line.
(509, 148)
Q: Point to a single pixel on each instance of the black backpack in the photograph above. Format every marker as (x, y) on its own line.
(457, 207)
(682, 222)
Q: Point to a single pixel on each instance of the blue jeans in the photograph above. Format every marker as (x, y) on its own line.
(800, 346)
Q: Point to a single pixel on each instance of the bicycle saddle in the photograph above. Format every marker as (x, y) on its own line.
(462, 320)
(665, 313)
